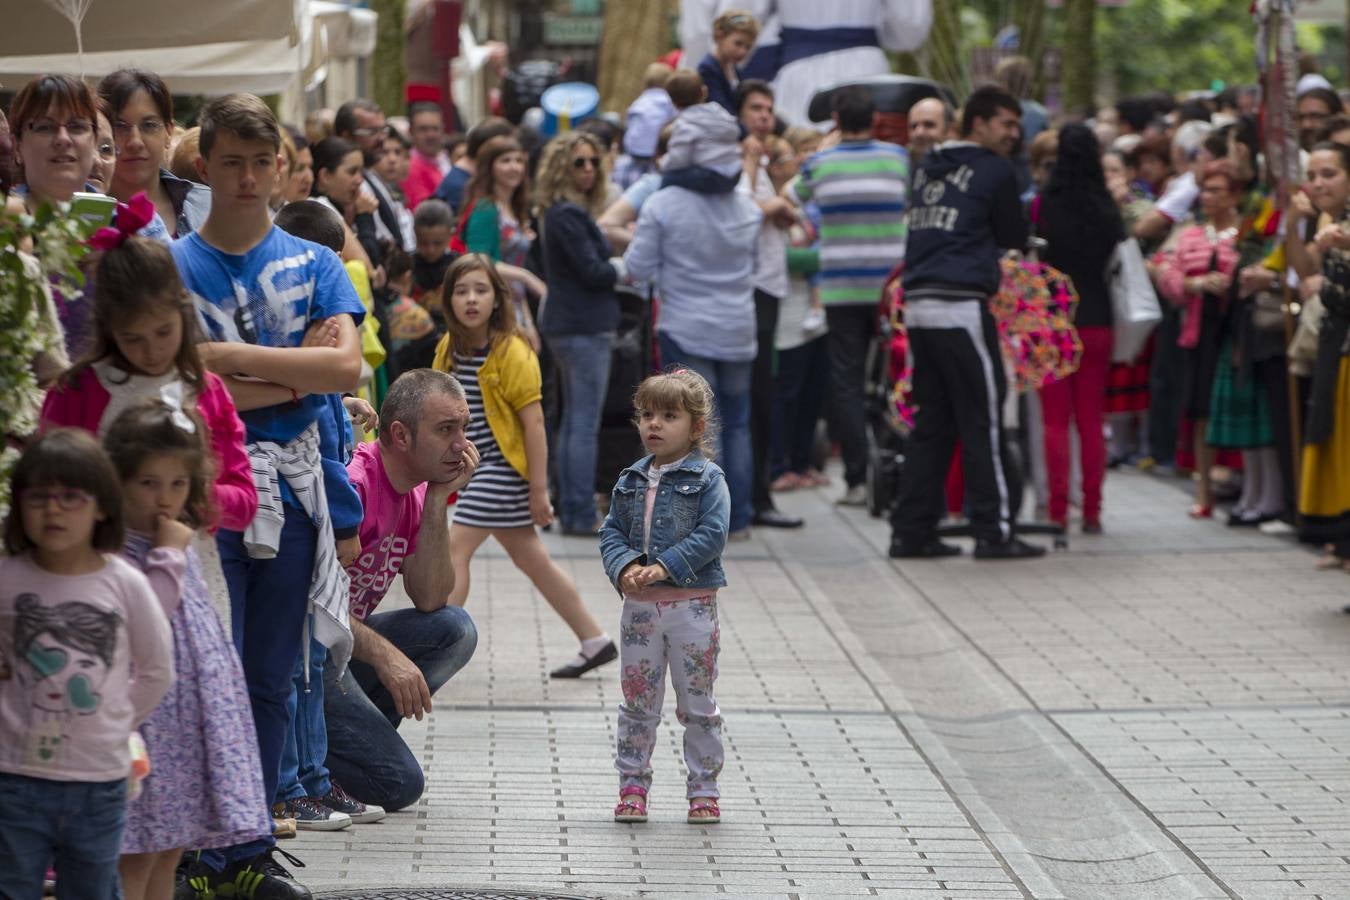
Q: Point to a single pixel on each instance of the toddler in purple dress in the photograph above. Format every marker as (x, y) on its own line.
(205, 787)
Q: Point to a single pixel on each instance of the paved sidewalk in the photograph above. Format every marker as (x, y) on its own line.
(1163, 711)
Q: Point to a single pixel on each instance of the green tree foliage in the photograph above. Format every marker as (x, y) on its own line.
(1176, 45)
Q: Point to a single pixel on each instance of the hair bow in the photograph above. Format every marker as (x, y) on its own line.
(172, 395)
(129, 218)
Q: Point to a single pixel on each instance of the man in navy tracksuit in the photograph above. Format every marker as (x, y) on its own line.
(964, 212)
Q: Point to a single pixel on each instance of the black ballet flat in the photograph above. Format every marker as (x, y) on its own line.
(605, 654)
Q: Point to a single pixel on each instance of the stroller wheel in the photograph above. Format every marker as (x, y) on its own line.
(880, 480)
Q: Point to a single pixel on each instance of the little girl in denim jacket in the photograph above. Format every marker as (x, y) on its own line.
(662, 548)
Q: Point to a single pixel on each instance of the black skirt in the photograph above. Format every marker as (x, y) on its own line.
(1202, 362)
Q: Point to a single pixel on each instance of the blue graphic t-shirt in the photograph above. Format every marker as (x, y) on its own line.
(267, 297)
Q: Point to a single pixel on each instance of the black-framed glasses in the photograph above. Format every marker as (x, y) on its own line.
(66, 498)
(47, 129)
(147, 128)
(584, 162)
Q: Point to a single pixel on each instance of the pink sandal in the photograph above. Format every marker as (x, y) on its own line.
(631, 810)
(703, 811)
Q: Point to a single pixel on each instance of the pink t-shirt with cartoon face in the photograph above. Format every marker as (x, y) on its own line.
(388, 529)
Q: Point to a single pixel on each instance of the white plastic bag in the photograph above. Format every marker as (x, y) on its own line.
(1134, 304)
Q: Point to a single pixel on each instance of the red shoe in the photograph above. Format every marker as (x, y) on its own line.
(1201, 512)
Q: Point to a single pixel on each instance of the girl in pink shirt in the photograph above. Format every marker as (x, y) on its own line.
(85, 656)
(144, 344)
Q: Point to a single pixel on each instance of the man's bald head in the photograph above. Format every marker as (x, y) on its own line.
(929, 122)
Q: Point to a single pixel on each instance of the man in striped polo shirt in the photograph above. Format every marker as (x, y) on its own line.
(860, 186)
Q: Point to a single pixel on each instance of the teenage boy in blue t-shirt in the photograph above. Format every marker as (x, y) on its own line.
(258, 291)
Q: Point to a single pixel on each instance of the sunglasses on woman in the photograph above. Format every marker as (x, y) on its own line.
(585, 162)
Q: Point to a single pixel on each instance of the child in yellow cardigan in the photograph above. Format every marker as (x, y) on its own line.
(508, 494)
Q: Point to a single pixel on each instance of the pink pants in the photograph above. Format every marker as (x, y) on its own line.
(1082, 398)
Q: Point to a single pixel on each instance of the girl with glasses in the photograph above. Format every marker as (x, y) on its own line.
(85, 656)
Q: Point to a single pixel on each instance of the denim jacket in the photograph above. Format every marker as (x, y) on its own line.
(689, 523)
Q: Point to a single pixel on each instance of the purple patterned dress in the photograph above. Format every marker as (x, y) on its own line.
(205, 786)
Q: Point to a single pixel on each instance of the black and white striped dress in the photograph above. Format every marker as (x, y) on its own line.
(496, 496)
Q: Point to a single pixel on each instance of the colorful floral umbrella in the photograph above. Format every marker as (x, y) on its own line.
(1034, 310)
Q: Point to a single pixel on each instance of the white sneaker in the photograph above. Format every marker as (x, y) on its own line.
(854, 496)
(1275, 526)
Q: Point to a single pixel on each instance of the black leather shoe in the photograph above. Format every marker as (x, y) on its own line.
(934, 549)
(605, 654)
(772, 518)
(1011, 549)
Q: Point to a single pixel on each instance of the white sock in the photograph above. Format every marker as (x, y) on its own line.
(589, 648)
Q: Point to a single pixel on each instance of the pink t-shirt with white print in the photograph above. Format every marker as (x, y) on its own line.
(388, 529)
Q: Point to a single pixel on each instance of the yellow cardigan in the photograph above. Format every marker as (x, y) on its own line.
(510, 381)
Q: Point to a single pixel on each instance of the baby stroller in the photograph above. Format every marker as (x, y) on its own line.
(630, 362)
(890, 418)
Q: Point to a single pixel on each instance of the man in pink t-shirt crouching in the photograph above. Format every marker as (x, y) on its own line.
(401, 657)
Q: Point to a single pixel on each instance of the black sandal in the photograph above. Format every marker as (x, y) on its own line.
(605, 654)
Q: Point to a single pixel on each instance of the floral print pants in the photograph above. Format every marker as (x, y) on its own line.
(683, 634)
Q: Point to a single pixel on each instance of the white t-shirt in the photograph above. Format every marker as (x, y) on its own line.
(771, 271)
(1179, 197)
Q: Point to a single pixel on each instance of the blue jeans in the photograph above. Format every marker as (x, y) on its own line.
(730, 383)
(583, 363)
(365, 753)
(303, 773)
(269, 599)
(78, 824)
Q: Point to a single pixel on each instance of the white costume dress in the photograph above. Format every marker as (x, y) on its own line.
(803, 47)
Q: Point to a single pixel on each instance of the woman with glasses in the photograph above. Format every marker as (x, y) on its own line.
(142, 120)
(53, 124)
(582, 313)
(52, 120)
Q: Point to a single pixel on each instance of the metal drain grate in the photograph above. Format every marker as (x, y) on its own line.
(421, 893)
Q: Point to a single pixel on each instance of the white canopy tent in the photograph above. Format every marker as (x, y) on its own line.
(295, 54)
(42, 27)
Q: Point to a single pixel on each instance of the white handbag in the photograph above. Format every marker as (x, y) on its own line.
(1134, 304)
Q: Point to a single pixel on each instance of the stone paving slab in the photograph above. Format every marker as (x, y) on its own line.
(1163, 711)
(823, 792)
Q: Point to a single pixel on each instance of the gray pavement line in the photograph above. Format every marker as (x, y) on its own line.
(1134, 710)
(1055, 725)
(594, 708)
(875, 677)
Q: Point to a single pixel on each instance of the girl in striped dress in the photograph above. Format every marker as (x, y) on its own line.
(508, 495)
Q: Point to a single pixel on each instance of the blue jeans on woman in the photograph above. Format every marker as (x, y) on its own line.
(583, 362)
(76, 824)
(730, 382)
(365, 753)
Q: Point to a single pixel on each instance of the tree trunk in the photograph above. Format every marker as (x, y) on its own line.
(942, 55)
(1080, 58)
(1030, 19)
(388, 73)
(636, 33)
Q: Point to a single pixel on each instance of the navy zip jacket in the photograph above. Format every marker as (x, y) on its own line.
(964, 212)
(579, 276)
